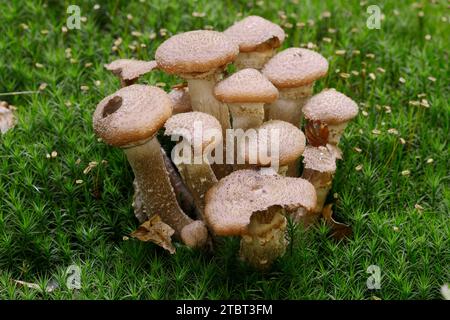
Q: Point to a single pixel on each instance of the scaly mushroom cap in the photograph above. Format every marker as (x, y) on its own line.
(232, 201)
(331, 107)
(295, 67)
(184, 124)
(129, 69)
(255, 33)
(131, 115)
(246, 86)
(181, 100)
(195, 52)
(320, 159)
(291, 142)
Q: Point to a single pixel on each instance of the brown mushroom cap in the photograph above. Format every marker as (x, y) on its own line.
(253, 33)
(232, 201)
(291, 142)
(181, 100)
(331, 107)
(246, 86)
(183, 124)
(131, 114)
(129, 69)
(295, 67)
(320, 159)
(195, 52)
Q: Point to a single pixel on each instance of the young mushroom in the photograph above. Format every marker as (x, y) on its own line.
(201, 133)
(257, 39)
(293, 71)
(251, 205)
(328, 114)
(319, 168)
(129, 70)
(279, 144)
(130, 119)
(246, 92)
(199, 57)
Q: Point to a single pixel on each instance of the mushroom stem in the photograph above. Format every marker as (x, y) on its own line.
(157, 192)
(322, 182)
(289, 105)
(255, 60)
(247, 115)
(288, 108)
(335, 132)
(198, 178)
(266, 240)
(203, 100)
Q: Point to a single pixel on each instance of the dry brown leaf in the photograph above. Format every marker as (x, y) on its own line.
(7, 119)
(156, 231)
(338, 230)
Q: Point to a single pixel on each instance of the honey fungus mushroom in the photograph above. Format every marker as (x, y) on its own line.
(328, 114)
(199, 57)
(246, 92)
(293, 71)
(130, 119)
(278, 144)
(201, 133)
(129, 70)
(319, 169)
(257, 38)
(251, 205)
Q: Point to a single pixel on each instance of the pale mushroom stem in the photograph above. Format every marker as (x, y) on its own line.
(335, 132)
(158, 195)
(288, 108)
(255, 60)
(289, 105)
(266, 239)
(322, 182)
(198, 178)
(247, 115)
(203, 100)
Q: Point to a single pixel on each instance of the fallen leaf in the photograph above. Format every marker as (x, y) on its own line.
(156, 231)
(7, 118)
(338, 230)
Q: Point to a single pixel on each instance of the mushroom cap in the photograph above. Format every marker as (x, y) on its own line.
(190, 125)
(246, 86)
(331, 107)
(131, 114)
(295, 67)
(181, 100)
(320, 159)
(195, 52)
(232, 201)
(130, 69)
(255, 32)
(291, 143)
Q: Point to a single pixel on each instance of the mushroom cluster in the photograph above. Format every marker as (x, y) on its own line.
(270, 93)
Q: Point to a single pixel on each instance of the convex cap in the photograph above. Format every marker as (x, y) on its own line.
(232, 201)
(331, 107)
(290, 139)
(207, 132)
(255, 33)
(195, 52)
(246, 86)
(132, 114)
(321, 159)
(129, 69)
(295, 67)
